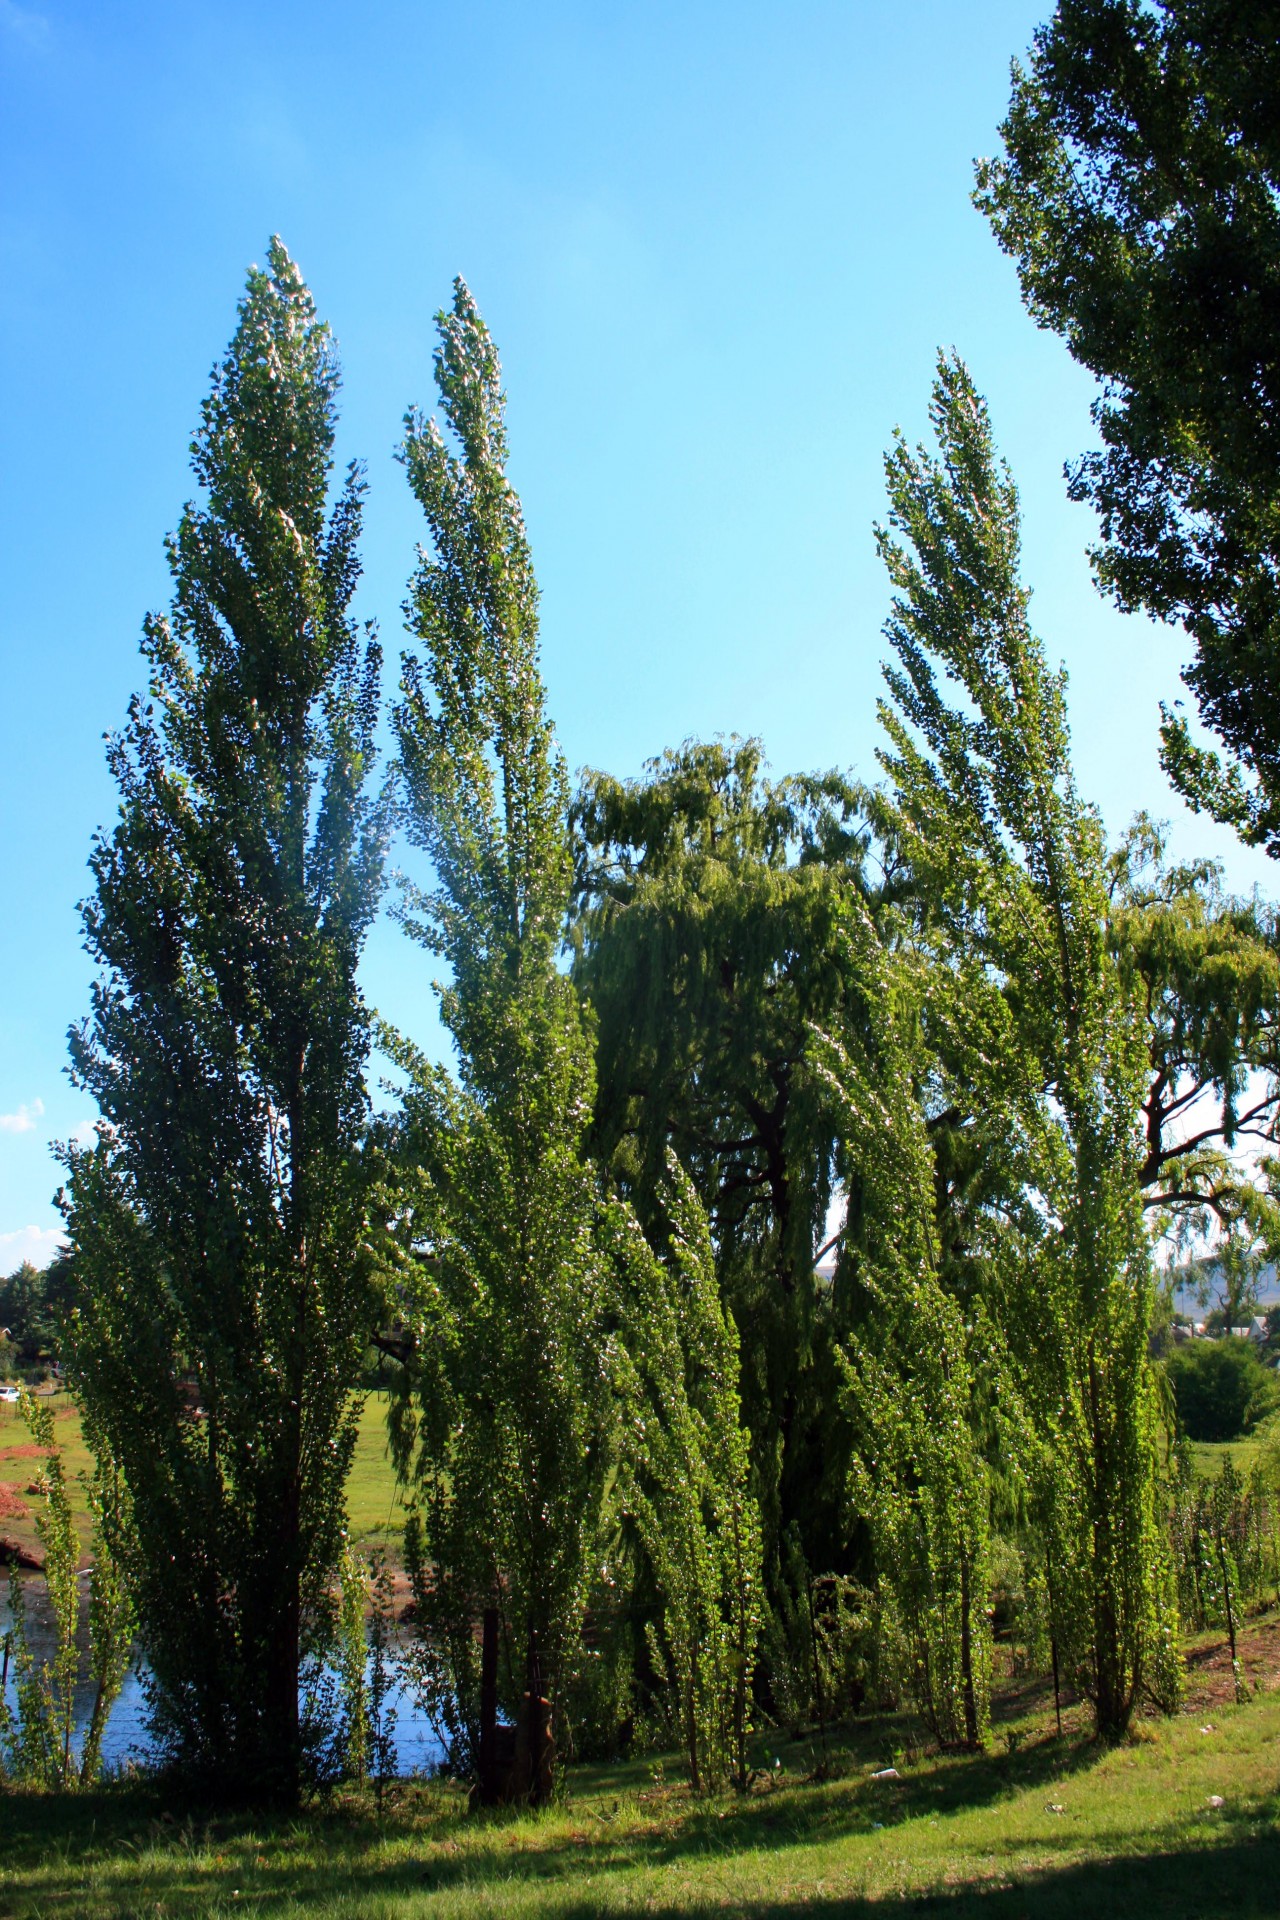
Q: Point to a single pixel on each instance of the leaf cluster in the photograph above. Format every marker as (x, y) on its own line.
(1137, 194)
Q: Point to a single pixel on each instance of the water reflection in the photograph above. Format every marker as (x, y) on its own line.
(124, 1742)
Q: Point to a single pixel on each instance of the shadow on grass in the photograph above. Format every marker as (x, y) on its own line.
(132, 1818)
(856, 1803)
(1234, 1873)
(130, 1845)
(1232, 1881)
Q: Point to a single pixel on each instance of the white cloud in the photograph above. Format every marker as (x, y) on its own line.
(23, 1121)
(36, 1244)
(85, 1134)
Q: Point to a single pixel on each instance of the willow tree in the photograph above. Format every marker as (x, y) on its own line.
(505, 1280)
(710, 936)
(221, 1297)
(913, 1359)
(1206, 973)
(1032, 1018)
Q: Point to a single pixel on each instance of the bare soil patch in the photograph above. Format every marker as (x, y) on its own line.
(1210, 1682)
(14, 1554)
(12, 1504)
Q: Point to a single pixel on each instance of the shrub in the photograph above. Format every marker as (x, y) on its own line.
(1221, 1388)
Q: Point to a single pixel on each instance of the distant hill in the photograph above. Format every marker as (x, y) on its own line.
(1185, 1298)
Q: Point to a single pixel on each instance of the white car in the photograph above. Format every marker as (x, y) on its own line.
(9, 1395)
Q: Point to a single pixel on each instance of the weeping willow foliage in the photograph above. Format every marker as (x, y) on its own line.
(709, 905)
(1032, 1026)
(1204, 969)
(685, 1481)
(910, 1366)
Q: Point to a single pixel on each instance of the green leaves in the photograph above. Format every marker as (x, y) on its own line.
(1137, 194)
(1034, 1024)
(222, 1288)
(497, 1204)
(1203, 969)
(910, 1366)
(685, 1479)
(487, 790)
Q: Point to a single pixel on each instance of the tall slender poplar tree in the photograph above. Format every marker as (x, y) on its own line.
(507, 1273)
(221, 1294)
(685, 1481)
(1032, 1015)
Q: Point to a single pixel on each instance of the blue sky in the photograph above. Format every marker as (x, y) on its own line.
(718, 246)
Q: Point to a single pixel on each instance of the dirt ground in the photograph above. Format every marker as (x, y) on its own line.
(1209, 1680)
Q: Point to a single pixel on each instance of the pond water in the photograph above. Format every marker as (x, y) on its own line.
(418, 1750)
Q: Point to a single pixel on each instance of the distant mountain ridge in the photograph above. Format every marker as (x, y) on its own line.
(1185, 1297)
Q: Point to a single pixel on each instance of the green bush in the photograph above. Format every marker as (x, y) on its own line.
(32, 1301)
(1221, 1388)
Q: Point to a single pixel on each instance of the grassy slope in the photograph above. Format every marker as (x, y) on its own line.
(1038, 1826)
(1051, 1829)
(18, 1473)
(1208, 1455)
(372, 1502)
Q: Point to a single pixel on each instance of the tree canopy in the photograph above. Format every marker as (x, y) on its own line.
(1139, 194)
(221, 1291)
(711, 934)
(1035, 1020)
(507, 1283)
(768, 1268)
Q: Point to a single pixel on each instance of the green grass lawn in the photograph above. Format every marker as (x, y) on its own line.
(373, 1504)
(374, 1509)
(1207, 1456)
(1052, 1828)
(1058, 1829)
(373, 1501)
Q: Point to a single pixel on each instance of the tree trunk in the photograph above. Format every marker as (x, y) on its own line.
(489, 1707)
(1113, 1695)
(971, 1738)
(280, 1754)
(1241, 1691)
